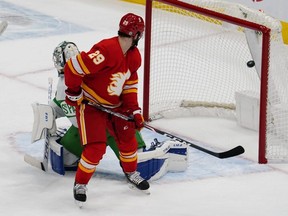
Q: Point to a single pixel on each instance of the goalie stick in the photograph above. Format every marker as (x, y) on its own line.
(222, 155)
(43, 165)
(3, 26)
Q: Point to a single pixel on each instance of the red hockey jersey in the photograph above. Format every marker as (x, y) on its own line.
(105, 74)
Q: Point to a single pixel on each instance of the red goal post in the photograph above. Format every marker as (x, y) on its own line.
(172, 26)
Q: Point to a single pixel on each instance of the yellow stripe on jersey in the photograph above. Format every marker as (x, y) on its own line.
(128, 157)
(126, 86)
(86, 170)
(81, 63)
(76, 66)
(131, 82)
(130, 87)
(82, 124)
(127, 91)
(86, 165)
(94, 95)
(88, 161)
(70, 65)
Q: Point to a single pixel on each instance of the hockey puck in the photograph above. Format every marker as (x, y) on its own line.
(250, 63)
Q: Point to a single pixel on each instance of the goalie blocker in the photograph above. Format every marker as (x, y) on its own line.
(160, 158)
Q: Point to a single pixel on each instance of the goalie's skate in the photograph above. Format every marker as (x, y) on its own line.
(79, 192)
(135, 181)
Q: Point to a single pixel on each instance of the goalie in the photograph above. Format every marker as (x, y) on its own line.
(65, 145)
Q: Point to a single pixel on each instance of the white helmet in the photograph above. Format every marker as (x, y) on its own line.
(62, 53)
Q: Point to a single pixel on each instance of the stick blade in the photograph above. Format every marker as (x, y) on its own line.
(3, 26)
(238, 150)
(34, 162)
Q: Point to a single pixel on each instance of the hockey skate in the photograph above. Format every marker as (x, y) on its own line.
(136, 181)
(79, 192)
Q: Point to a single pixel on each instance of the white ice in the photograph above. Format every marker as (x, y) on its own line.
(210, 186)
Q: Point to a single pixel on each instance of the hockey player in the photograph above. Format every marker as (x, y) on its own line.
(65, 146)
(70, 139)
(107, 75)
(152, 164)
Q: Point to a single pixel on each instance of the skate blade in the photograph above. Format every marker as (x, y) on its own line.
(131, 186)
(79, 204)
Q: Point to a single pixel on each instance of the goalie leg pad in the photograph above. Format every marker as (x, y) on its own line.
(56, 156)
(168, 156)
(61, 159)
(178, 156)
(153, 164)
(153, 169)
(44, 117)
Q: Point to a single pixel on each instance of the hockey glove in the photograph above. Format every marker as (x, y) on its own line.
(74, 98)
(138, 119)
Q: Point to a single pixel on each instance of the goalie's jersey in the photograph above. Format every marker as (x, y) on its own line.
(61, 108)
(106, 75)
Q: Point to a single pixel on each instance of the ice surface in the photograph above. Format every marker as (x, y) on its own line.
(210, 186)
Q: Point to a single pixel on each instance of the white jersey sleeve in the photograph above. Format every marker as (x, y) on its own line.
(63, 109)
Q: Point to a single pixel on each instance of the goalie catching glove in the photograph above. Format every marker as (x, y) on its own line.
(74, 98)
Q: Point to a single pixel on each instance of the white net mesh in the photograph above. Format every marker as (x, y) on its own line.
(277, 107)
(199, 60)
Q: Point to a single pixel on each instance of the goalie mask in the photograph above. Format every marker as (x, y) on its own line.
(132, 25)
(62, 53)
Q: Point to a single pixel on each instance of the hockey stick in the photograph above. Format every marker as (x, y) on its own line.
(43, 165)
(222, 155)
(3, 26)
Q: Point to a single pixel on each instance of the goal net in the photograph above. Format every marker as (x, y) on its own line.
(196, 54)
